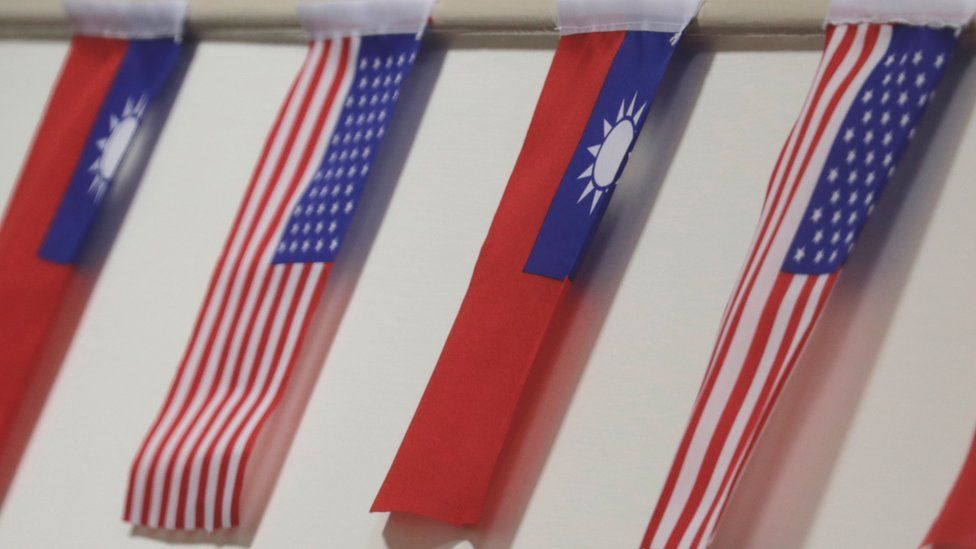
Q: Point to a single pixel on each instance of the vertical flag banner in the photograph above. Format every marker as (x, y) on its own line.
(119, 58)
(956, 524)
(289, 228)
(874, 81)
(596, 97)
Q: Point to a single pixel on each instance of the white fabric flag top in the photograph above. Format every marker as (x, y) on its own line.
(129, 20)
(927, 13)
(189, 471)
(579, 16)
(881, 64)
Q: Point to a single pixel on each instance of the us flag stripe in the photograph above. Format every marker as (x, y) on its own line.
(771, 390)
(679, 484)
(189, 470)
(179, 388)
(748, 344)
(782, 289)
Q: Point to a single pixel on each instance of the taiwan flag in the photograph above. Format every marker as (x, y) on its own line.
(118, 60)
(607, 67)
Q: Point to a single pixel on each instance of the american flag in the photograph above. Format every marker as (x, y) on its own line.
(289, 228)
(873, 84)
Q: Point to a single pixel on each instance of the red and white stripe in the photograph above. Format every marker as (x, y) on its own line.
(189, 470)
(770, 314)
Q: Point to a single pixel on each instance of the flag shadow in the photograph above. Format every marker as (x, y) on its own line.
(571, 337)
(95, 252)
(784, 483)
(275, 439)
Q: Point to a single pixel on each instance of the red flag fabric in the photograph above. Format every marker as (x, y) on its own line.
(31, 288)
(95, 110)
(956, 524)
(447, 457)
(591, 109)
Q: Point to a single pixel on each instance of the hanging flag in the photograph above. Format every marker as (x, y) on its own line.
(956, 524)
(873, 84)
(289, 229)
(596, 97)
(119, 58)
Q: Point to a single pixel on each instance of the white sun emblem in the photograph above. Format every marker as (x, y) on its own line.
(121, 130)
(611, 153)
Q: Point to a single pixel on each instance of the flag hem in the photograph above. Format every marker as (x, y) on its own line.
(892, 20)
(364, 17)
(582, 16)
(935, 13)
(114, 19)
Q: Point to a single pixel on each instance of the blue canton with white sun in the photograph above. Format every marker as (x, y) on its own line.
(320, 219)
(601, 154)
(871, 139)
(142, 73)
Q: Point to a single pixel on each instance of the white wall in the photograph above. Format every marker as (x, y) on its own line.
(860, 453)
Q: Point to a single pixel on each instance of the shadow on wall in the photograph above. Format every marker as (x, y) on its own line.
(783, 485)
(569, 343)
(275, 440)
(97, 247)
